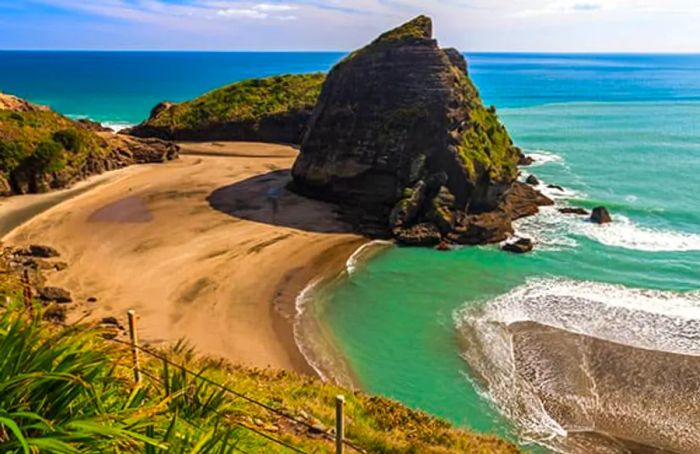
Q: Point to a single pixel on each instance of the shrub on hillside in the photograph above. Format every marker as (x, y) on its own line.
(47, 157)
(11, 154)
(69, 138)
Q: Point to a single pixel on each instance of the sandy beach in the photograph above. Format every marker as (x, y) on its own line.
(195, 247)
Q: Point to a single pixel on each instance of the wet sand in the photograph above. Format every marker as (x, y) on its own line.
(195, 248)
(611, 397)
(580, 394)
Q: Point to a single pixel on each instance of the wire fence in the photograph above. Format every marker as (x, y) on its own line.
(337, 437)
(238, 423)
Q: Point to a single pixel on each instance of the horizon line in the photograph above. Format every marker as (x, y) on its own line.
(297, 51)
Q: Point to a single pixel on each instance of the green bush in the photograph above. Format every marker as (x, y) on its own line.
(11, 155)
(47, 157)
(16, 116)
(69, 138)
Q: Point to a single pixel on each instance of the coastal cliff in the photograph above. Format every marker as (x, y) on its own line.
(401, 139)
(41, 150)
(275, 109)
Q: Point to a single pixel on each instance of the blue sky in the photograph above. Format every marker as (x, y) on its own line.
(471, 25)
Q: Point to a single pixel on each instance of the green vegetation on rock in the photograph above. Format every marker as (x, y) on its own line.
(249, 100)
(419, 27)
(485, 142)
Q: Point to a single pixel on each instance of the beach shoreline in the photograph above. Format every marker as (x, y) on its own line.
(196, 249)
(313, 334)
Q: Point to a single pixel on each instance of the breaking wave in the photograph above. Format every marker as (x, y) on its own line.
(552, 230)
(651, 319)
(116, 126)
(543, 157)
(626, 234)
(363, 253)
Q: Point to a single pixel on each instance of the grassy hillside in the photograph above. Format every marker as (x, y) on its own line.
(70, 390)
(249, 100)
(37, 142)
(274, 109)
(42, 150)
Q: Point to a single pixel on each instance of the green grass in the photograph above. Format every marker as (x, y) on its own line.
(249, 100)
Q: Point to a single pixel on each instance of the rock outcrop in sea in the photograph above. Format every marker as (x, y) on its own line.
(41, 150)
(274, 109)
(402, 141)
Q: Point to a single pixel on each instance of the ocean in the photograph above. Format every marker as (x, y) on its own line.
(592, 340)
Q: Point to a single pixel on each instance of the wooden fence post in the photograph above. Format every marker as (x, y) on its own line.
(339, 423)
(134, 345)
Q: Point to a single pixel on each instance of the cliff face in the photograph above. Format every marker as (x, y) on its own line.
(401, 137)
(275, 109)
(41, 150)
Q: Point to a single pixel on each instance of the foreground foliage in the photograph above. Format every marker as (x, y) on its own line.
(68, 390)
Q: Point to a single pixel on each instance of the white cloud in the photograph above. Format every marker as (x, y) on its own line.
(570, 7)
(258, 11)
(269, 7)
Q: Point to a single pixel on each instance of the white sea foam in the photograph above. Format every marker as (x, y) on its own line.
(552, 230)
(302, 304)
(643, 319)
(549, 229)
(559, 193)
(360, 254)
(543, 157)
(626, 234)
(651, 319)
(117, 126)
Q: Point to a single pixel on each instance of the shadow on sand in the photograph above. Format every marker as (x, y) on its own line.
(253, 200)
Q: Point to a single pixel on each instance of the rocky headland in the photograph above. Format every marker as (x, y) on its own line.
(401, 139)
(275, 109)
(41, 150)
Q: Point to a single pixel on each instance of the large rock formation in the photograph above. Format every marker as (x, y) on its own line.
(275, 109)
(401, 138)
(41, 150)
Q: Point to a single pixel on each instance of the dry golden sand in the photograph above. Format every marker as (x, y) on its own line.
(194, 247)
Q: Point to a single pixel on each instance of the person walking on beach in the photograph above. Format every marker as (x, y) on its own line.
(273, 195)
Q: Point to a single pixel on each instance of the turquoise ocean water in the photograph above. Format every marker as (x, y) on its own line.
(616, 130)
